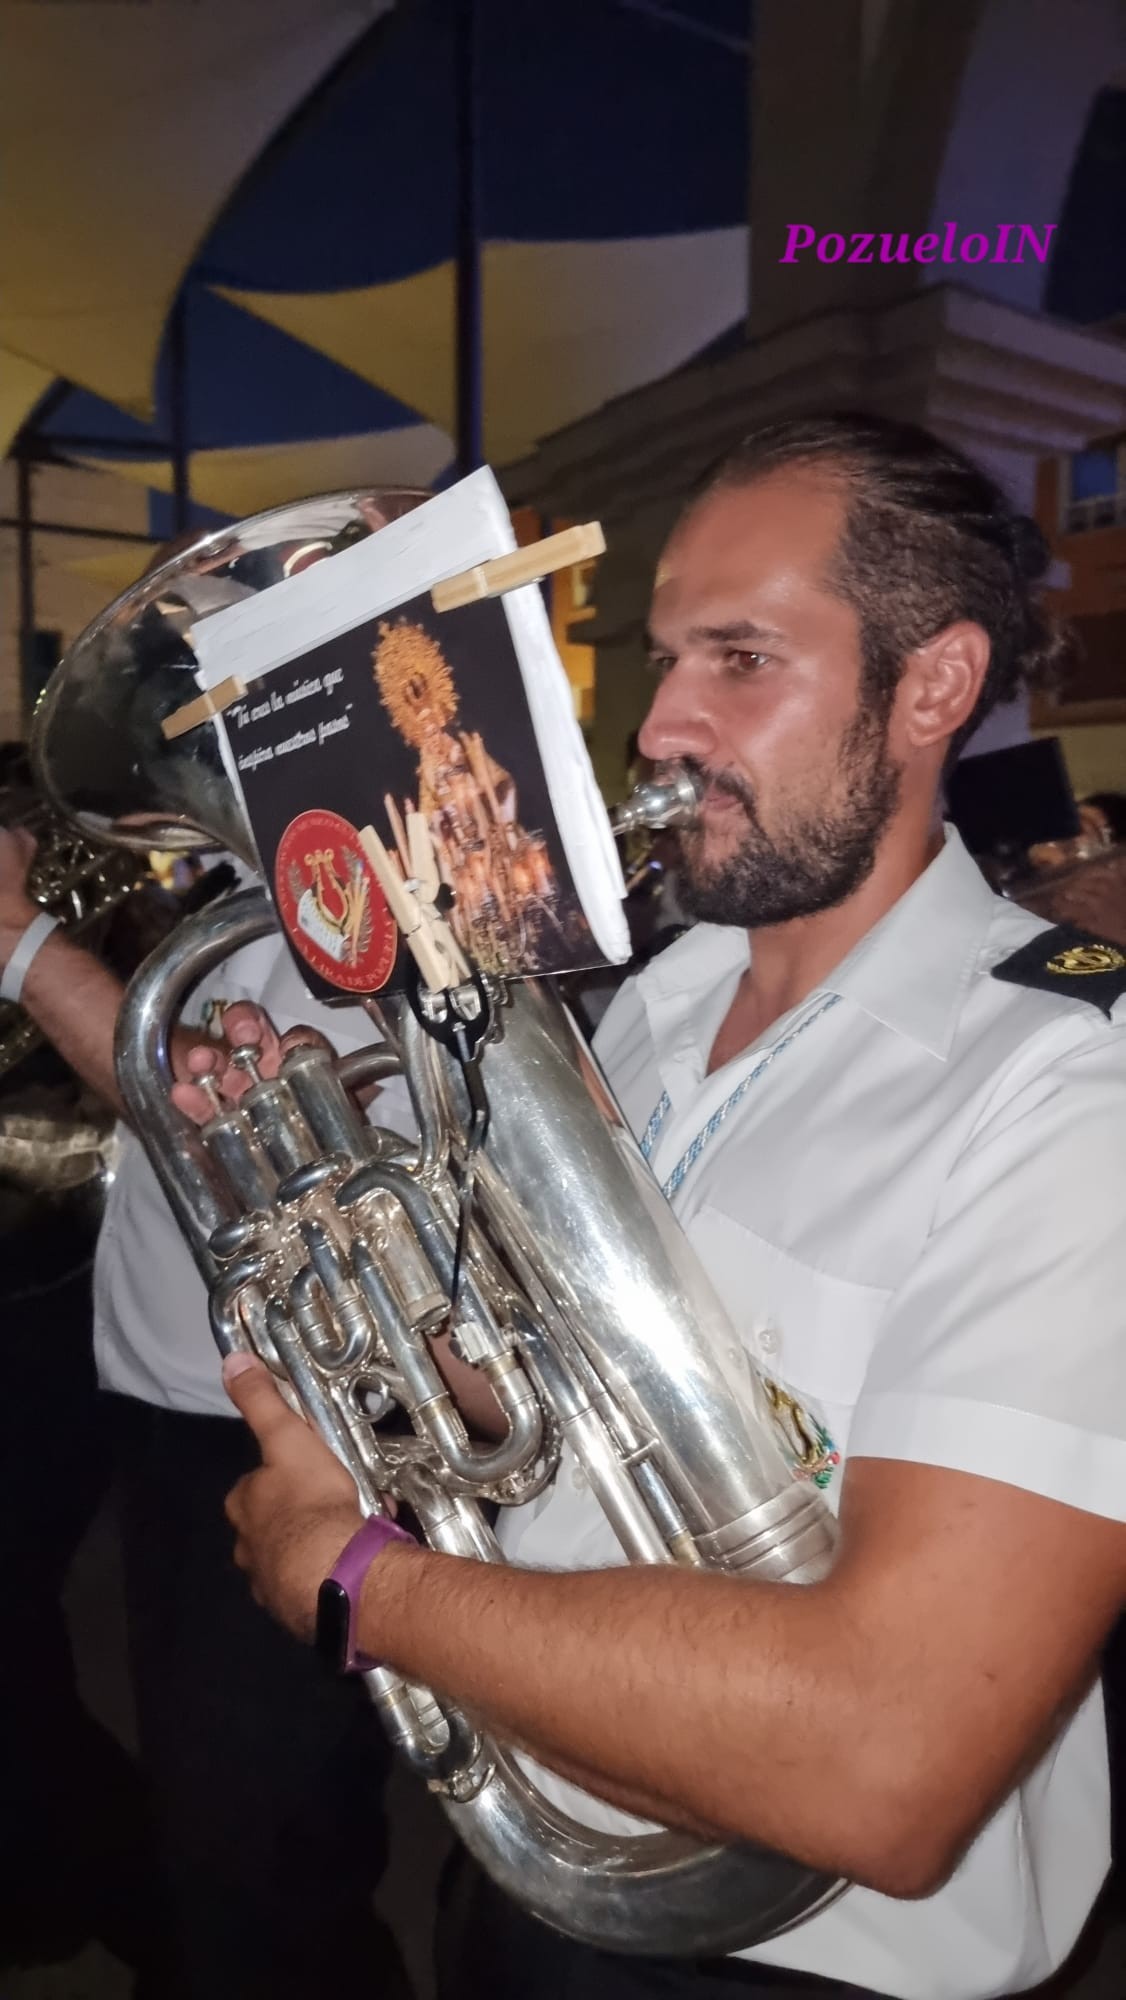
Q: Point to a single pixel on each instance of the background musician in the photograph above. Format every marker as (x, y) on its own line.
(262, 1771)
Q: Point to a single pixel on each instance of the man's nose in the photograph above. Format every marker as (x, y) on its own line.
(678, 723)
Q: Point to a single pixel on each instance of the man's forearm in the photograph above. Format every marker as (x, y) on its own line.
(74, 1001)
(691, 1721)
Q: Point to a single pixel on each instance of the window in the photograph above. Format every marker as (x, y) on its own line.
(1093, 487)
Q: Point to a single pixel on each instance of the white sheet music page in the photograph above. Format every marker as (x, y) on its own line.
(467, 525)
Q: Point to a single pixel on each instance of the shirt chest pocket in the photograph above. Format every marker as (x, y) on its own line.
(801, 1327)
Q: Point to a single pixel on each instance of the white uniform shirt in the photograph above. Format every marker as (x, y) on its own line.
(914, 1218)
(152, 1335)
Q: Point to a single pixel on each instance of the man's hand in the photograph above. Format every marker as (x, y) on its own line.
(244, 1026)
(296, 1513)
(17, 851)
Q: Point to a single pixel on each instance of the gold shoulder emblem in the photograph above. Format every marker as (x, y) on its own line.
(1080, 958)
(1067, 962)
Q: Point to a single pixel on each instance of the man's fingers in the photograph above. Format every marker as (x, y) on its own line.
(243, 1023)
(248, 1026)
(189, 1097)
(193, 1102)
(251, 1389)
(244, 1026)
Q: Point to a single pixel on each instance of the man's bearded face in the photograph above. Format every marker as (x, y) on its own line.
(816, 852)
(763, 696)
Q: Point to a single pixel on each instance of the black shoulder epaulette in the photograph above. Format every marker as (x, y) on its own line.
(1069, 962)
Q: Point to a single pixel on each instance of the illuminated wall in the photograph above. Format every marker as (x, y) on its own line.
(1081, 506)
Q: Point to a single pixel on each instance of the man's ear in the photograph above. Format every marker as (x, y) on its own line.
(940, 685)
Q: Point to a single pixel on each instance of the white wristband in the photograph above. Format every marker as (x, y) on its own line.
(19, 965)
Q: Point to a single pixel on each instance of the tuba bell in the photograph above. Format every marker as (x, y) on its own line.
(329, 1248)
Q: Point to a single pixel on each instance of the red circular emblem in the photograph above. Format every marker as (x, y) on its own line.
(331, 904)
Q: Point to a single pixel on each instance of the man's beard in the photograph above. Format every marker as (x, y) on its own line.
(816, 861)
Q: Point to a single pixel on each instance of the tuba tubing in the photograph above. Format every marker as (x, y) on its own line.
(633, 1362)
(582, 1297)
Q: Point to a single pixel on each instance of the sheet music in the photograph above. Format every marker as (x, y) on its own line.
(454, 531)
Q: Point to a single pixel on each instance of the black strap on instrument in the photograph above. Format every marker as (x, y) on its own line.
(460, 1018)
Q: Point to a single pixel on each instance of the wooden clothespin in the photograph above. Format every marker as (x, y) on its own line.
(487, 579)
(413, 904)
(528, 565)
(204, 708)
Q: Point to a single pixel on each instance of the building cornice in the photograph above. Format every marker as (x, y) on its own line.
(970, 367)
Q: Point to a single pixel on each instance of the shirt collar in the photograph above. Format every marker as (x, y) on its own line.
(911, 971)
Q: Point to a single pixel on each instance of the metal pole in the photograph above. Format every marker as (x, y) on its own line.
(469, 333)
(25, 529)
(84, 534)
(178, 412)
(59, 441)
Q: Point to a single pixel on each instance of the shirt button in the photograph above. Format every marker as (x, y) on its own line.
(768, 1340)
(578, 1479)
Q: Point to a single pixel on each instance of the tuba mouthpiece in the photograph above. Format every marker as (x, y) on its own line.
(654, 805)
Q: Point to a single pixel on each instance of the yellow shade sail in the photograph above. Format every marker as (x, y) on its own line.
(21, 385)
(244, 479)
(130, 126)
(567, 326)
(114, 570)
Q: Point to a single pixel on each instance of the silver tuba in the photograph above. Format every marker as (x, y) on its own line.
(328, 1248)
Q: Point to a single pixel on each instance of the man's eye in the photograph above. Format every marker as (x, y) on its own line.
(660, 664)
(741, 662)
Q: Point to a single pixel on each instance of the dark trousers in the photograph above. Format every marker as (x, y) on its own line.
(267, 1772)
(487, 1946)
(74, 1837)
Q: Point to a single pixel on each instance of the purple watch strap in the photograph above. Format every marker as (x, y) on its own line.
(350, 1569)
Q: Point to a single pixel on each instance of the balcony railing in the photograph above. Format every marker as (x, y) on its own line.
(1105, 510)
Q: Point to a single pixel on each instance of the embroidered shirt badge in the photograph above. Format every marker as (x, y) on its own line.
(807, 1447)
(1066, 960)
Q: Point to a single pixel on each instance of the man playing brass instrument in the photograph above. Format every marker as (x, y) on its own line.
(888, 1108)
(251, 1786)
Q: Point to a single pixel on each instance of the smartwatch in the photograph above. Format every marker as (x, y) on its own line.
(338, 1600)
